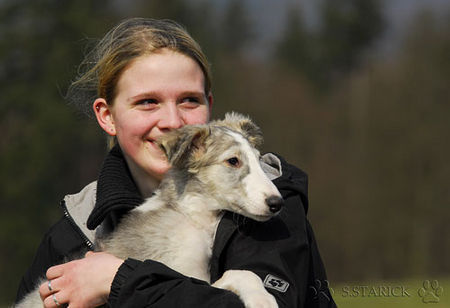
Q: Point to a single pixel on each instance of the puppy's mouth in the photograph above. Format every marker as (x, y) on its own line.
(262, 217)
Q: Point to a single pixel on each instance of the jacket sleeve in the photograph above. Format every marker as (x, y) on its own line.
(152, 284)
(59, 242)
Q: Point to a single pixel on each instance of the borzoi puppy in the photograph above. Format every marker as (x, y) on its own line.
(215, 167)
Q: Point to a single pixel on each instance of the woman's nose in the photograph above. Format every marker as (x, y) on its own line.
(171, 118)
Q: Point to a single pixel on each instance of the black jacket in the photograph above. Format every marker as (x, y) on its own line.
(282, 251)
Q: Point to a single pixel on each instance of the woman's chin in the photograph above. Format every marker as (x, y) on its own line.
(159, 170)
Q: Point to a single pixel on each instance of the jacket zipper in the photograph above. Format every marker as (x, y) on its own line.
(85, 239)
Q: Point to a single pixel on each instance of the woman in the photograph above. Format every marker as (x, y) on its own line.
(151, 77)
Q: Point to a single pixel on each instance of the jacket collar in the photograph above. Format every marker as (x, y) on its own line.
(103, 202)
(293, 181)
(117, 192)
(78, 207)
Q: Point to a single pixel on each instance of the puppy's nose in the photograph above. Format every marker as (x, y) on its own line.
(275, 203)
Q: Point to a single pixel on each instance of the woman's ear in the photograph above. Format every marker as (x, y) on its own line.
(104, 116)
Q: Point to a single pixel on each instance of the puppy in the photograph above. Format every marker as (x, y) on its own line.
(215, 168)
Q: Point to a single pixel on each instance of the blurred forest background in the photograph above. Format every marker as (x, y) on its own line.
(363, 110)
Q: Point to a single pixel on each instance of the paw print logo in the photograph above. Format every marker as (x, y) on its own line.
(431, 291)
(320, 288)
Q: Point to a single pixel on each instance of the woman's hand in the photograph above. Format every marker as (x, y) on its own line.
(80, 283)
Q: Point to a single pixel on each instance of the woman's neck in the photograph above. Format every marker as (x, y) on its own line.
(146, 183)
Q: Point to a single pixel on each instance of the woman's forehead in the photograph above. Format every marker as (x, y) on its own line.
(166, 71)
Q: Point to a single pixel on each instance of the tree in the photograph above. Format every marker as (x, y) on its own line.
(348, 28)
(236, 32)
(345, 31)
(293, 50)
(45, 150)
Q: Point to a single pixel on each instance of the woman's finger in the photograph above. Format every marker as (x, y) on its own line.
(55, 271)
(49, 287)
(55, 300)
(44, 290)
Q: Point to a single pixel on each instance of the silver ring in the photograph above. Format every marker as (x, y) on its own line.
(50, 286)
(55, 300)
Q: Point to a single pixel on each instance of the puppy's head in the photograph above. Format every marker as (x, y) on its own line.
(183, 147)
(221, 160)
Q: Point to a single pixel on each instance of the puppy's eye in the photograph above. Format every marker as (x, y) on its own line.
(234, 162)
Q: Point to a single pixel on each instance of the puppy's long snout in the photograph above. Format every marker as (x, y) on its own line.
(274, 203)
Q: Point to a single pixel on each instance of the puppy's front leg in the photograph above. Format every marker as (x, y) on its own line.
(248, 286)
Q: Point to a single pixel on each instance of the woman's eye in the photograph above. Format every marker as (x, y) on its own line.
(149, 101)
(234, 162)
(190, 101)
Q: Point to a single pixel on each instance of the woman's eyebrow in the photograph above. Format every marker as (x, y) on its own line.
(155, 95)
(193, 93)
(143, 95)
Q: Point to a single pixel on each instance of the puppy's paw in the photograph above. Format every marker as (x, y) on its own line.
(248, 286)
(259, 299)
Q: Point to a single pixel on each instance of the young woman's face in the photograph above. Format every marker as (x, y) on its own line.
(155, 94)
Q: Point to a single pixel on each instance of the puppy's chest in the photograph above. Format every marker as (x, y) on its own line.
(195, 238)
(191, 248)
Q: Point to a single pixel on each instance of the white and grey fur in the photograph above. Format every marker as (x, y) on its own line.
(215, 167)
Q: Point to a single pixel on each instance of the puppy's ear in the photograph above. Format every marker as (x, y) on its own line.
(245, 126)
(180, 144)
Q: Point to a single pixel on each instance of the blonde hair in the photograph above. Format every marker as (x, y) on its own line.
(102, 67)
